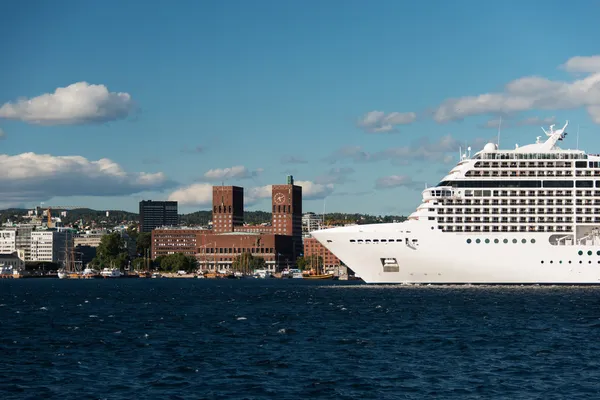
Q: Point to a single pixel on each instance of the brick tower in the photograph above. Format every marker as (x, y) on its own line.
(287, 212)
(228, 208)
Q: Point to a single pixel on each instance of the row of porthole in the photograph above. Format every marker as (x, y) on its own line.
(589, 253)
(504, 241)
(560, 262)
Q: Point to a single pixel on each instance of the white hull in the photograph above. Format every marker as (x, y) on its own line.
(446, 257)
(111, 273)
(63, 275)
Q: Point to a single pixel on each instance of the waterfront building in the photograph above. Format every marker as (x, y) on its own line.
(287, 212)
(15, 238)
(90, 238)
(310, 222)
(228, 208)
(312, 247)
(49, 245)
(168, 240)
(154, 214)
(8, 241)
(216, 252)
(279, 243)
(12, 260)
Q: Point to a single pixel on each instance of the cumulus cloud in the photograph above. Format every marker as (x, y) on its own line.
(380, 122)
(200, 194)
(314, 191)
(235, 172)
(31, 177)
(589, 64)
(79, 103)
(533, 92)
(335, 175)
(293, 160)
(2, 134)
(393, 181)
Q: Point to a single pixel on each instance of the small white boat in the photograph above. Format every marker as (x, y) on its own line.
(111, 273)
(296, 274)
(262, 273)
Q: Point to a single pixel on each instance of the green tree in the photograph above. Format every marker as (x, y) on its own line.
(246, 263)
(139, 264)
(156, 263)
(143, 242)
(178, 262)
(259, 263)
(242, 262)
(132, 231)
(111, 252)
(301, 263)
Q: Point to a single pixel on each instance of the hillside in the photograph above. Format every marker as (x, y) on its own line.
(117, 217)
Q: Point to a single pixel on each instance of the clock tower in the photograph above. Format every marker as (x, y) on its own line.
(287, 212)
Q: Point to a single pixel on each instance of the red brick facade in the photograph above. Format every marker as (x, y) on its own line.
(312, 246)
(228, 208)
(279, 244)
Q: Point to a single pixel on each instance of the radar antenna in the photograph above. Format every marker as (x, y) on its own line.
(499, 128)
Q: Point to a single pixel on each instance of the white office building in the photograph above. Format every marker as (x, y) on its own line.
(8, 241)
(310, 222)
(49, 245)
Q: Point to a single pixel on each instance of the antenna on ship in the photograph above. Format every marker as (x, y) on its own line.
(499, 128)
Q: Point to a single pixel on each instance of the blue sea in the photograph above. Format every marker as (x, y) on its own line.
(290, 339)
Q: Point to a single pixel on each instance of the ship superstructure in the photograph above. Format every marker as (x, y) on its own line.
(527, 215)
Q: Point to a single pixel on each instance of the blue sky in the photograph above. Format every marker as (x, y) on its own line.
(351, 97)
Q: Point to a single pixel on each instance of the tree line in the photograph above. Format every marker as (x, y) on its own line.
(89, 216)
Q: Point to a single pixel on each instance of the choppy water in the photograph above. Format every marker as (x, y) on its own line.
(287, 339)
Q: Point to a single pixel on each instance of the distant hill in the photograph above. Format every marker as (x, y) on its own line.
(116, 217)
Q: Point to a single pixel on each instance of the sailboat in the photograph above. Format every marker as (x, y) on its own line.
(70, 268)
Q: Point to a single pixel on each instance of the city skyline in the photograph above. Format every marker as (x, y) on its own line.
(107, 104)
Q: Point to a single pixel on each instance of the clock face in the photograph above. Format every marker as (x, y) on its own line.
(279, 198)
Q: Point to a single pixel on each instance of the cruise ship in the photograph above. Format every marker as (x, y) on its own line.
(530, 215)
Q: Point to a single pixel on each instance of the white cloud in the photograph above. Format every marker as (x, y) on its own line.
(393, 181)
(379, 122)
(200, 194)
(79, 103)
(2, 134)
(533, 92)
(236, 172)
(31, 177)
(313, 191)
(583, 64)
